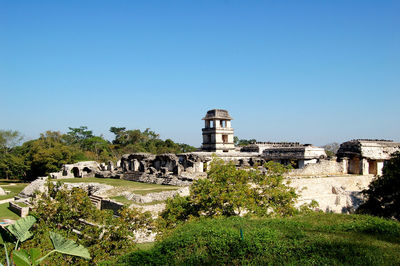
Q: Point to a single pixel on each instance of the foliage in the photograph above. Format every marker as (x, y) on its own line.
(144, 141)
(95, 147)
(243, 142)
(383, 193)
(47, 154)
(312, 239)
(11, 164)
(72, 214)
(331, 148)
(52, 149)
(230, 191)
(9, 139)
(20, 232)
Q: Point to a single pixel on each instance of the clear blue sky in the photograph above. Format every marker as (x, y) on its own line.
(307, 71)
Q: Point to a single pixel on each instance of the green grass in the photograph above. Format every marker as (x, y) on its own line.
(5, 213)
(14, 190)
(122, 199)
(135, 187)
(8, 181)
(315, 239)
(21, 204)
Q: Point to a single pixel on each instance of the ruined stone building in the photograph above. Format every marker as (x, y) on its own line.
(315, 175)
(361, 157)
(294, 153)
(366, 156)
(217, 132)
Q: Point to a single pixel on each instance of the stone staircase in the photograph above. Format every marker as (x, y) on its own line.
(96, 200)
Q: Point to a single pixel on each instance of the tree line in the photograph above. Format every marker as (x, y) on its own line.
(52, 149)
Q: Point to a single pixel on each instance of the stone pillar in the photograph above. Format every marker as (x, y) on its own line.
(136, 165)
(364, 166)
(199, 167)
(228, 123)
(379, 167)
(301, 164)
(345, 165)
(110, 166)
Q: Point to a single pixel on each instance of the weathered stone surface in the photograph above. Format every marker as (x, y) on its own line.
(366, 156)
(40, 185)
(80, 169)
(2, 192)
(159, 196)
(320, 168)
(154, 209)
(369, 149)
(165, 169)
(217, 132)
(96, 189)
(340, 194)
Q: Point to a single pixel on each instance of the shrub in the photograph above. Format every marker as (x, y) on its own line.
(311, 239)
(383, 194)
(229, 191)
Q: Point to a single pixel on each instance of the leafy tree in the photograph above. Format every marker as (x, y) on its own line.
(9, 139)
(383, 193)
(331, 148)
(230, 191)
(71, 211)
(78, 135)
(48, 153)
(243, 142)
(11, 165)
(94, 147)
(127, 141)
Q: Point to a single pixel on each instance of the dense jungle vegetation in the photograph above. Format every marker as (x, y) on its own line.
(52, 149)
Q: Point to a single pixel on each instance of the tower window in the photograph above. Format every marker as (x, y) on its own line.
(225, 139)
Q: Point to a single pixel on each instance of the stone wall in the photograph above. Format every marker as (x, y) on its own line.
(322, 167)
(340, 194)
(107, 204)
(21, 211)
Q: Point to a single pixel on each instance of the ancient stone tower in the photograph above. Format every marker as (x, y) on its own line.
(217, 133)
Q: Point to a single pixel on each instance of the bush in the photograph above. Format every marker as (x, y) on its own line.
(383, 194)
(311, 239)
(69, 211)
(228, 191)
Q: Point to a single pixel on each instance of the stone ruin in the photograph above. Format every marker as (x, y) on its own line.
(361, 157)
(367, 156)
(333, 191)
(169, 169)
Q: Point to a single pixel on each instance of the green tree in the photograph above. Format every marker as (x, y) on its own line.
(331, 148)
(9, 139)
(229, 191)
(48, 153)
(383, 193)
(127, 141)
(78, 135)
(243, 142)
(72, 214)
(11, 162)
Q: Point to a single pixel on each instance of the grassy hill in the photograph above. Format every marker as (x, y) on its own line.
(315, 239)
